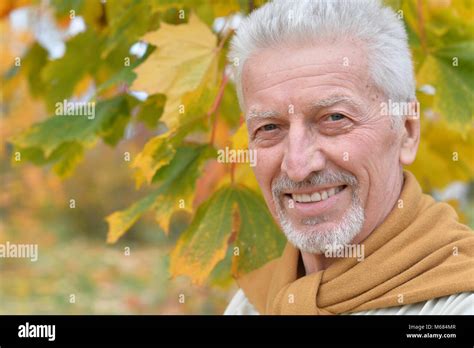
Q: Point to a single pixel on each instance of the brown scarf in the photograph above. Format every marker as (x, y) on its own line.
(418, 253)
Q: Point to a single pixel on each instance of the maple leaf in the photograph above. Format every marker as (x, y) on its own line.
(185, 53)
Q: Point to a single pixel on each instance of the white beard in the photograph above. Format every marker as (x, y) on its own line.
(316, 240)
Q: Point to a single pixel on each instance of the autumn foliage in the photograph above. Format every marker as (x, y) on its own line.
(191, 111)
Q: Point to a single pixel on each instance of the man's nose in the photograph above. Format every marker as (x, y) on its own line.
(303, 155)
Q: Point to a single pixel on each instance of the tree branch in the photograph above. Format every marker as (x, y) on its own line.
(216, 104)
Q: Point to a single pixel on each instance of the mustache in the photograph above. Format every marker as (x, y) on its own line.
(283, 183)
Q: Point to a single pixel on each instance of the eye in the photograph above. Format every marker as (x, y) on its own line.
(269, 127)
(336, 117)
(268, 134)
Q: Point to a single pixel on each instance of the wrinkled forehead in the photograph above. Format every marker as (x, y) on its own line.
(294, 74)
(349, 54)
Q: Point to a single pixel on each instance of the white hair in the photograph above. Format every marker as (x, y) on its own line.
(307, 21)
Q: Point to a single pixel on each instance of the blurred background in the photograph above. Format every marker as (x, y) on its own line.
(120, 249)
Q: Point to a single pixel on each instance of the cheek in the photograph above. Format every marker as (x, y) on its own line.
(369, 147)
(362, 153)
(382, 152)
(349, 152)
(371, 156)
(267, 167)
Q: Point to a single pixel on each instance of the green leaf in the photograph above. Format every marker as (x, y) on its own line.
(439, 32)
(179, 178)
(454, 97)
(67, 156)
(32, 64)
(259, 239)
(221, 274)
(210, 10)
(62, 7)
(151, 110)
(81, 57)
(56, 130)
(159, 150)
(128, 21)
(234, 214)
(205, 242)
(114, 114)
(157, 153)
(48, 140)
(124, 75)
(176, 180)
(91, 11)
(120, 221)
(206, 10)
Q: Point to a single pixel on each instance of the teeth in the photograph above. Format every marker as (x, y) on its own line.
(305, 198)
(316, 196)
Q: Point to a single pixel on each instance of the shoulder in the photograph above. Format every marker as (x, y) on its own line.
(240, 305)
(456, 304)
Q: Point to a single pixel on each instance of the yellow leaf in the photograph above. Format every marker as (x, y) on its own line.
(82, 86)
(165, 208)
(116, 222)
(243, 172)
(240, 139)
(185, 53)
(204, 244)
(156, 153)
(444, 155)
(120, 221)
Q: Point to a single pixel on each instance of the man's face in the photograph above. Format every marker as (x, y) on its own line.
(327, 158)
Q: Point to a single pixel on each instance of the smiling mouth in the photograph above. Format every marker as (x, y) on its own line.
(315, 196)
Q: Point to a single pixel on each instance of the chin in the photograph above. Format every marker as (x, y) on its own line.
(315, 236)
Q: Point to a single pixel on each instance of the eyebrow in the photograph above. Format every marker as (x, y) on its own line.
(321, 103)
(335, 99)
(253, 114)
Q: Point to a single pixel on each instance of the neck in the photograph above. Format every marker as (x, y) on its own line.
(314, 262)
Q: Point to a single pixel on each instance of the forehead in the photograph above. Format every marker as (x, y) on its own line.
(292, 75)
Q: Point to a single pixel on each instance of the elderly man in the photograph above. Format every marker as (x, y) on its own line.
(328, 91)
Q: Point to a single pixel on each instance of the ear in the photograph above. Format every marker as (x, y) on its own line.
(410, 136)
